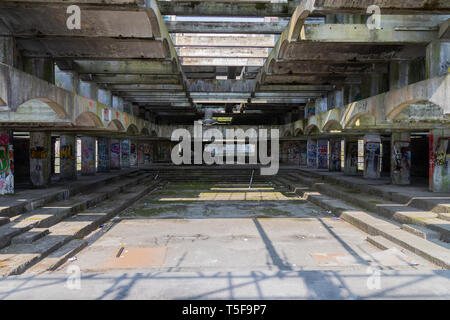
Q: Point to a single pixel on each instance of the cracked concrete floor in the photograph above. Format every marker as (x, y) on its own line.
(202, 237)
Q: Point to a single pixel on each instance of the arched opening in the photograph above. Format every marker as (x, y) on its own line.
(417, 110)
(132, 129)
(145, 132)
(154, 134)
(115, 125)
(361, 120)
(298, 132)
(283, 49)
(41, 110)
(2, 103)
(311, 130)
(332, 125)
(88, 119)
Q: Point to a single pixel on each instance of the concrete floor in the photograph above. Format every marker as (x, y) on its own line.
(217, 241)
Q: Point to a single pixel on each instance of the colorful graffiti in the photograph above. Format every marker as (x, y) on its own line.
(40, 162)
(312, 153)
(372, 157)
(440, 162)
(66, 152)
(335, 155)
(133, 154)
(87, 155)
(290, 153)
(125, 153)
(322, 154)
(103, 155)
(6, 165)
(115, 154)
(147, 153)
(351, 158)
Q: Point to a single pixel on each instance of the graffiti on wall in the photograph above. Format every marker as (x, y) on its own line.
(147, 153)
(312, 153)
(39, 159)
(351, 158)
(372, 158)
(6, 165)
(103, 155)
(133, 154)
(335, 155)
(125, 153)
(67, 152)
(322, 154)
(115, 154)
(290, 152)
(440, 164)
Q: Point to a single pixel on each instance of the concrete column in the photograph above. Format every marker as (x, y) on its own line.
(133, 154)
(437, 59)
(140, 154)
(351, 156)
(303, 153)
(398, 74)
(322, 154)
(88, 156)
(105, 96)
(7, 51)
(40, 158)
(87, 89)
(103, 146)
(312, 153)
(147, 153)
(117, 103)
(115, 154)
(68, 157)
(125, 153)
(439, 160)
(372, 156)
(6, 162)
(42, 68)
(335, 155)
(321, 105)
(400, 157)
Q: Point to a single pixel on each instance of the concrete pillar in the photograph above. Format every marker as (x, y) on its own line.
(125, 153)
(87, 89)
(321, 105)
(66, 79)
(400, 157)
(351, 156)
(40, 158)
(439, 160)
(68, 157)
(335, 155)
(115, 154)
(310, 109)
(437, 59)
(303, 153)
(88, 156)
(372, 156)
(117, 103)
(42, 68)
(147, 153)
(312, 153)
(105, 96)
(6, 162)
(8, 51)
(140, 154)
(322, 154)
(133, 154)
(398, 74)
(103, 158)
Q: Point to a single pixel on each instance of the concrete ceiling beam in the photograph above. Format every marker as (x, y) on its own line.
(275, 27)
(137, 79)
(323, 67)
(287, 88)
(230, 9)
(90, 48)
(192, 40)
(220, 86)
(146, 87)
(229, 62)
(125, 67)
(224, 52)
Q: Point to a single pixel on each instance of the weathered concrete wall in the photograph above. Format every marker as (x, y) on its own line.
(351, 157)
(40, 158)
(6, 163)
